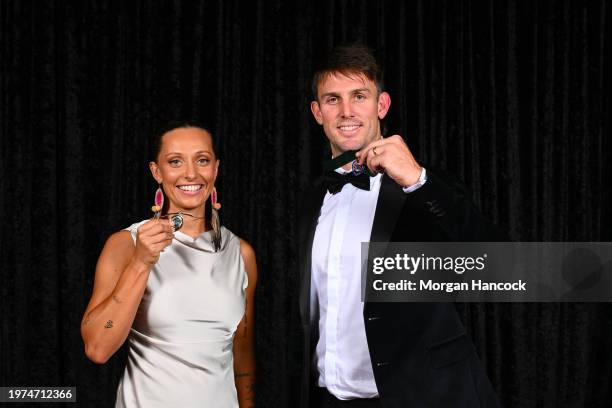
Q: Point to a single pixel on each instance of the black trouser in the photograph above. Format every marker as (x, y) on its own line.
(325, 400)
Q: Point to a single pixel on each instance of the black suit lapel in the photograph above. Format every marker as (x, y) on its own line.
(307, 227)
(391, 199)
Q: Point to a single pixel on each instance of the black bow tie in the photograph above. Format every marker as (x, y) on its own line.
(335, 181)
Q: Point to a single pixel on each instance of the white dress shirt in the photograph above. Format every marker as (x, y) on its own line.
(342, 358)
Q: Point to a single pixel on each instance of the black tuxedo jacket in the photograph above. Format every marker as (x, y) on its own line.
(420, 353)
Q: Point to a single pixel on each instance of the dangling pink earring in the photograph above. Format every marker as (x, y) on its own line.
(215, 223)
(159, 202)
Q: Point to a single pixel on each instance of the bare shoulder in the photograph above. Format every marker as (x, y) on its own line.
(121, 238)
(246, 250)
(118, 249)
(248, 256)
(118, 246)
(115, 256)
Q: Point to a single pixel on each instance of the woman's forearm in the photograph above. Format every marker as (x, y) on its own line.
(244, 375)
(245, 387)
(106, 326)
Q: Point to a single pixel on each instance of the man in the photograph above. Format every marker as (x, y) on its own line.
(378, 354)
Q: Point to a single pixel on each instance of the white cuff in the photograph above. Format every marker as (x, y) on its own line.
(422, 180)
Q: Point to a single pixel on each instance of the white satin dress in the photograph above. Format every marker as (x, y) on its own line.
(180, 345)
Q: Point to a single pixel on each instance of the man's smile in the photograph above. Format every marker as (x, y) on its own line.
(349, 128)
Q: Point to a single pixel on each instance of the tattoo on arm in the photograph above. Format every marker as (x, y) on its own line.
(239, 375)
(246, 389)
(108, 324)
(250, 389)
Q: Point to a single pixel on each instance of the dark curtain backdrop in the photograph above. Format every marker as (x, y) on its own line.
(508, 95)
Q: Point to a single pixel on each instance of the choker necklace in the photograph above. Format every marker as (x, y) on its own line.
(176, 219)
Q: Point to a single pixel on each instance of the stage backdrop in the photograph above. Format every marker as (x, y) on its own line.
(509, 96)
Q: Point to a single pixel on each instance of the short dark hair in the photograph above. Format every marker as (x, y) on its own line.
(349, 60)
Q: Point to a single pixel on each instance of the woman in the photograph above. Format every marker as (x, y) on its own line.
(184, 298)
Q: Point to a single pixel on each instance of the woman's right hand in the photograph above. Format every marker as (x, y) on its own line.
(152, 237)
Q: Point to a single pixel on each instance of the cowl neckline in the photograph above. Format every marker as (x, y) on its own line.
(203, 241)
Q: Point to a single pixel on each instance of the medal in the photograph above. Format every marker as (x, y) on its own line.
(177, 221)
(344, 158)
(357, 168)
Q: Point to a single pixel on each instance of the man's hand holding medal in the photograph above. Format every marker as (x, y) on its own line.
(392, 156)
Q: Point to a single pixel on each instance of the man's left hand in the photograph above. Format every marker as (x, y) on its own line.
(392, 156)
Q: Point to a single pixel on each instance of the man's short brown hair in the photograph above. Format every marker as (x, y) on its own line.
(348, 60)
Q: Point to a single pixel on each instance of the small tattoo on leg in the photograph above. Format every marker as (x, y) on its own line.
(108, 324)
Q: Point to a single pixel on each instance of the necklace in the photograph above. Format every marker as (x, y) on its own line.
(177, 219)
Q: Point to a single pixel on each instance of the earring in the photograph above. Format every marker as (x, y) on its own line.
(213, 198)
(159, 202)
(215, 223)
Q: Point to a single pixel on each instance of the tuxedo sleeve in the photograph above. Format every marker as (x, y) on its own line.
(446, 203)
